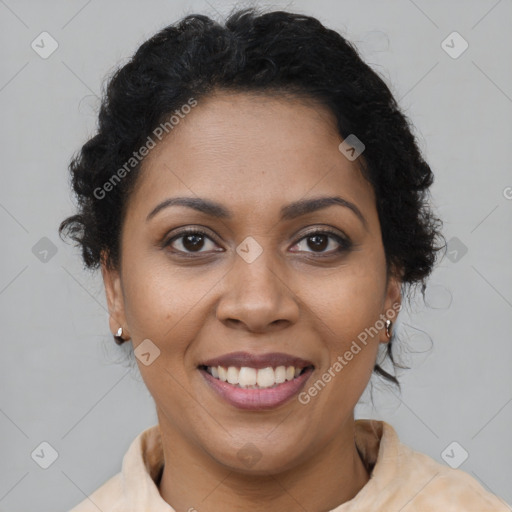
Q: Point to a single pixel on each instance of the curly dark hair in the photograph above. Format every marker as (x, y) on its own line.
(272, 53)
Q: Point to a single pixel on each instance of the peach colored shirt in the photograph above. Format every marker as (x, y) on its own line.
(401, 479)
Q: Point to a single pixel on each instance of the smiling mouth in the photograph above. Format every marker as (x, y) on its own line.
(253, 378)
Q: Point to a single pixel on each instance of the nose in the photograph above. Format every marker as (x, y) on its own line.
(257, 297)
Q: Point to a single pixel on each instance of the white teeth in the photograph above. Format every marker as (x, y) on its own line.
(253, 378)
(222, 373)
(232, 375)
(266, 377)
(247, 377)
(280, 374)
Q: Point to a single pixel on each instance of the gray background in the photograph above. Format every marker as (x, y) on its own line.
(63, 379)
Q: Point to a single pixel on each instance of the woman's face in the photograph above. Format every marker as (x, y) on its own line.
(259, 281)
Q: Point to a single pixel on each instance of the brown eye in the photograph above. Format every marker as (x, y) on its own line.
(191, 241)
(319, 241)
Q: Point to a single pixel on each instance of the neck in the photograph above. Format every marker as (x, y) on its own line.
(193, 480)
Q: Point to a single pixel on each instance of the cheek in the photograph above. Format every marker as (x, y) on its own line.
(351, 298)
(348, 306)
(163, 303)
(345, 312)
(164, 306)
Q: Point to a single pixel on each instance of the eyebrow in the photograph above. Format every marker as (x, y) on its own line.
(288, 212)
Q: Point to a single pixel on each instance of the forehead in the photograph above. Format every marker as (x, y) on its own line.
(251, 151)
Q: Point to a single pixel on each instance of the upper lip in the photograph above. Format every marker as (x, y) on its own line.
(273, 359)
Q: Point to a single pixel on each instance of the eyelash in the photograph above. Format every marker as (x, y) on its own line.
(345, 243)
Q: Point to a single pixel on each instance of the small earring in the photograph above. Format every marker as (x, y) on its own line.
(388, 328)
(118, 337)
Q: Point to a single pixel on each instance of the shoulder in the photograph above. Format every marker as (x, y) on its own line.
(134, 484)
(434, 486)
(108, 497)
(407, 480)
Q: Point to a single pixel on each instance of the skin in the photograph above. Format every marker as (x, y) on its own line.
(253, 154)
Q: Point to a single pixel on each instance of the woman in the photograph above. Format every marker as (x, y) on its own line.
(258, 207)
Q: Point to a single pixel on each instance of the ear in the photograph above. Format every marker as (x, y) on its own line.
(393, 300)
(115, 298)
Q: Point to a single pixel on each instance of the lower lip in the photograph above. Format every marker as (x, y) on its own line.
(257, 399)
